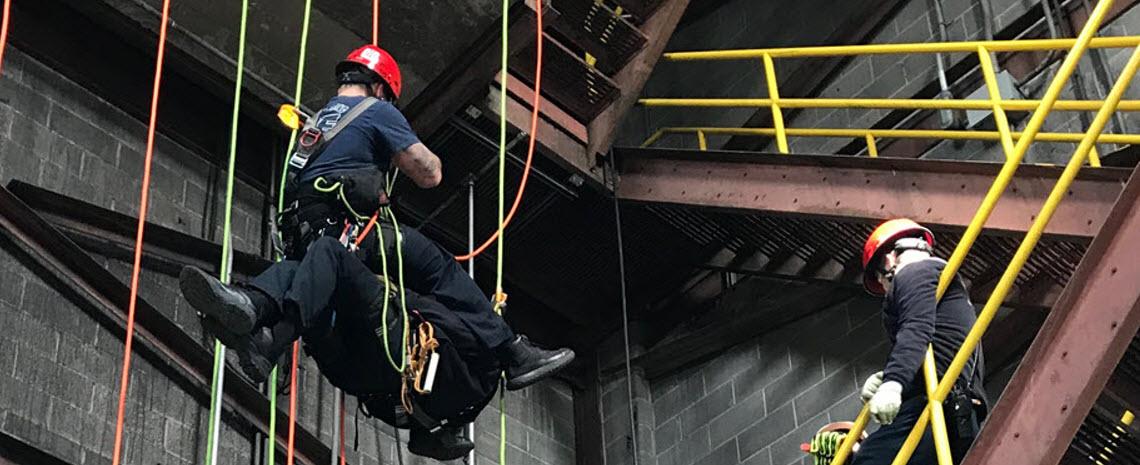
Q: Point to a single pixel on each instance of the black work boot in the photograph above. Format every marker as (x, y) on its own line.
(252, 349)
(527, 363)
(237, 309)
(449, 443)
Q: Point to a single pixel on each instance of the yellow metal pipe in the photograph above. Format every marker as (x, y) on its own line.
(1060, 190)
(947, 134)
(872, 146)
(998, 46)
(655, 137)
(883, 103)
(1094, 158)
(1000, 119)
(937, 417)
(852, 437)
(702, 142)
(995, 192)
(774, 102)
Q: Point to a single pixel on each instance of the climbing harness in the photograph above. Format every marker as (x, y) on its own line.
(124, 379)
(313, 141)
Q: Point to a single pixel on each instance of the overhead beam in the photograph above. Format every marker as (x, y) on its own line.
(159, 340)
(468, 77)
(1076, 351)
(658, 28)
(941, 193)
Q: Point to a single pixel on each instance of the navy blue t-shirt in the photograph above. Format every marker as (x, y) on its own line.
(369, 140)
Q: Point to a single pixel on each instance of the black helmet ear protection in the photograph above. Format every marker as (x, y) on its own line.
(356, 74)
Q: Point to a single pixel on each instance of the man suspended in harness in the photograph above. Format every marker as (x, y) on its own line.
(337, 177)
(899, 264)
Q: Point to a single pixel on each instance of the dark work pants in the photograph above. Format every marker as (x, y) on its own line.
(431, 270)
(881, 447)
(327, 280)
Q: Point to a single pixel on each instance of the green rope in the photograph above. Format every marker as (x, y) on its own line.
(499, 244)
(227, 244)
(403, 301)
(271, 443)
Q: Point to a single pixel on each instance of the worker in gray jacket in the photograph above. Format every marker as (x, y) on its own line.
(899, 265)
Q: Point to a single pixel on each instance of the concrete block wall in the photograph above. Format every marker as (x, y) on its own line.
(59, 369)
(757, 402)
(57, 135)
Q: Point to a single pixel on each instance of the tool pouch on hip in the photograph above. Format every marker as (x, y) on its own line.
(961, 415)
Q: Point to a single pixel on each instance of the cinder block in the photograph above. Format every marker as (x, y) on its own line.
(774, 363)
(667, 435)
(764, 457)
(729, 364)
(673, 402)
(808, 370)
(24, 100)
(694, 445)
(82, 132)
(705, 409)
(786, 449)
(763, 433)
(723, 455)
(820, 397)
(746, 412)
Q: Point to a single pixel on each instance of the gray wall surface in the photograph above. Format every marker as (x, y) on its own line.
(885, 76)
(59, 369)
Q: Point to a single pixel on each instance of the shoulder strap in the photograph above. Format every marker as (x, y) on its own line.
(328, 136)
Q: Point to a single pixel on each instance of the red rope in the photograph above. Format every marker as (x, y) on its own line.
(376, 22)
(342, 432)
(530, 148)
(292, 403)
(144, 199)
(4, 30)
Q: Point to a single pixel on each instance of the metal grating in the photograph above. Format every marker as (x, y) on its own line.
(596, 28)
(807, 239)
(1103, 440)
(569, 82)
(642, 9)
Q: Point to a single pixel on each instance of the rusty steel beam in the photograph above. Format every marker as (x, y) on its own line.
(465, 79)
(944, 193)
(658, 28)
(1076, 351)
(159, 340)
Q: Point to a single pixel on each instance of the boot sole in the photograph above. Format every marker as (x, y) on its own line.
(254, 365)
(526, 379)
(205, 293)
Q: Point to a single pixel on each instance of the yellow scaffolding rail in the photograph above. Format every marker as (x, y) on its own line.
(1014, 144)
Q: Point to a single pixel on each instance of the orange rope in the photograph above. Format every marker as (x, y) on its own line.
(124, 379)
(292, 403)
(342, 432)
(4, 30)
(530, 147)
(376, 22)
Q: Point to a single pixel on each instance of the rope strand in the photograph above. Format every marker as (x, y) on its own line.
(218, 383)
(124, 380)
(535, 106)
(4, 31)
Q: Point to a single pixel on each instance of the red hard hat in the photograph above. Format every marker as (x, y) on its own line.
(376, 60)
(880, 242)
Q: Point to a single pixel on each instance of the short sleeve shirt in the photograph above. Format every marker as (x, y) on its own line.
(368, 141)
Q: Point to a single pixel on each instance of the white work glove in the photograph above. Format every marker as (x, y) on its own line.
(886, 401)
(871, 386)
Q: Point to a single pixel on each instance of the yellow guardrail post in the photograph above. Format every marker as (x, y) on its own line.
(1094, 158)
(972, 232)
(937, 417)
(655, 137)
(1002, 181)
(774, 98)
(986, 63)
(872, 146)
(702, 142)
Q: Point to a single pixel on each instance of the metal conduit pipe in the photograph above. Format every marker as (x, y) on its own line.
(948, 119)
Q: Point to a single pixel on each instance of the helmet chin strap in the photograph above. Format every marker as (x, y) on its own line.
(900, 248)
